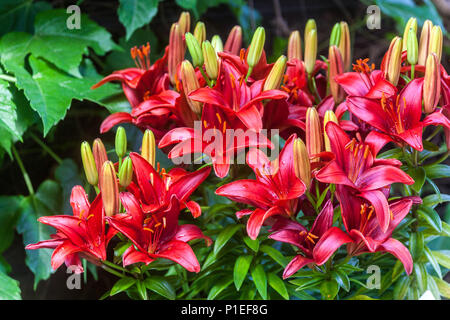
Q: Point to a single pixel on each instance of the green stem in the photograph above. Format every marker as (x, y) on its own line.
(434, 133)
(208, 81)
(112, 271)
(412, 72)
(26, 177)
(7, 78)
(115, 266)
(46, 148)
(313, 88)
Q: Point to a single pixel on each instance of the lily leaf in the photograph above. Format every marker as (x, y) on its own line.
(260, 280)
(161, 287)
(224, 236)
(121, 285)
(240, 269)
(278, 285)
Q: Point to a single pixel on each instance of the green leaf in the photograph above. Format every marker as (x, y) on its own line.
(275, 255)
(401, 288)
(432, 286)
(419, 175)
(8, 114)
(434, 199)
(241, 267)
(342, 279)
(421, 275)
(443, 286)
(433, 261)
(44, 203)
(329, 289)
(9, 288)
(252, 244)
(224, 236)
(221, 285)
(161, 287)
(133, 14)
(9, 214)
(431, 217)
(437, 171)
(278, 285)
(121, 285)
(361, 297)
(416, 243)
(67, 175)
(442, 257)
(260, 280)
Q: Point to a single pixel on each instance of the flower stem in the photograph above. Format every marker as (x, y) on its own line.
(7, 78)
(115, 266)
(46, 148)
(112, 271)
(26, 177)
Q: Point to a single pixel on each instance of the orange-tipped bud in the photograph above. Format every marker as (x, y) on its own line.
(210, 60)
(393, 61)
(432, 83)
(302, 166)
(126, 172)
(424, 42)
(411, 24)
(234, 41)
(109, 189)
(121, 142)
(313, 133)
(217, 43)
(294, 50)
(89, 166)
(190, 83)
(256, 47)
(184, 22)
(344, 45)
(148, 149)
(310, 50)
(176, 51)
(273, 80)
(329, 116)
(436, 42)
(335, 68)
(200, 32)
(100, 155)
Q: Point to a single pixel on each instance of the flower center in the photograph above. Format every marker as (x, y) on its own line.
(395, 112)
(309, 236)
(156, 228)
(359, 153)
(141, 56)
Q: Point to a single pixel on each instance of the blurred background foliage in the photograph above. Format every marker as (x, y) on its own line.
(47, 108)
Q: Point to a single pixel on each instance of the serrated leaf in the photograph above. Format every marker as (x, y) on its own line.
(275, 255)
(278, 285)
(121, 285)
(134, 14)
(260, 280)
(240, 271)
(224, 236)
(221, 285)
(442, 257)
(8, 114)
(9, 288)
(161, 287)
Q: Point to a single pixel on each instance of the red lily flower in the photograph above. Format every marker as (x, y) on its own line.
(274, 192)
(83, 233)
(240, 66)
(365, 231)
(157, 235)
(155, 189)
(355, 165)
(226, 143)
(317, 244)
(398, 115)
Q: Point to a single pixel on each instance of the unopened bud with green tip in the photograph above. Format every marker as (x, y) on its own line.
(412, 47)
(217, 43)
(194, 49)
(210, 59)
(329, 116)
(126, 172)
(310, 50)
(335, 36)
(310, 25)
(411, 24)
(148, 147)
(121, 142)
(200, 32)
(436, 42)
(256, 47)
(90, 169)
(273, 80)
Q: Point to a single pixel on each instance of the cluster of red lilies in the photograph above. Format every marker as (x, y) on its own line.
(334, 123)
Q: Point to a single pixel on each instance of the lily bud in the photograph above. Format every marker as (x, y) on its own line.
(126, 172)
(200, 32)
(234, 41)
(210, 58)
(294, 50)
(194, 49)
(411, 24)
(89, 166)
(302, 166)
(148, 147)
(329, 116)
(313, 133)
(100, 155)
(432, 83)
(109, 189)
(310, 50)
(217, 43)
(256, 47)
(121, 142)
(436, 42)
(335, 68)
(310, 25)
(412, 47)
(176, 51)
(273, 80)
(335, 37)
(184, 22)
(393, 61)
(190, 83)
(344, 45)
(424, 42)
